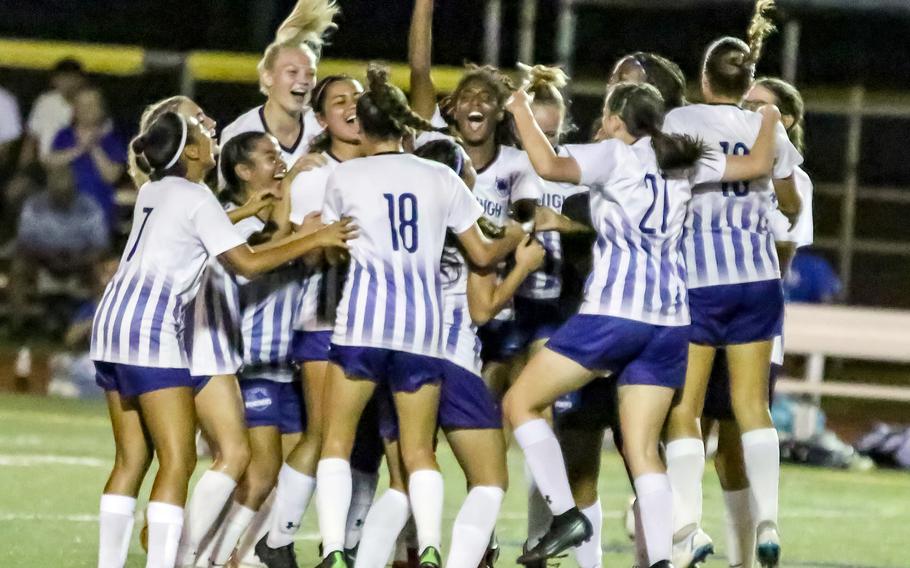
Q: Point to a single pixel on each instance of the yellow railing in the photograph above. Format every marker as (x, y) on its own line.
(213, 66)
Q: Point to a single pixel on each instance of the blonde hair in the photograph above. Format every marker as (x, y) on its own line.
(304, 29)
(139, 169)
(760, 27)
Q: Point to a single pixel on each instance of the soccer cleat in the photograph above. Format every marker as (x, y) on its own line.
(336, 559)
(662, 564)
(767, 548)
(283, 557)
(692, 550)
(567, 530)
(490, 556)
(430, 558)
(350, 554)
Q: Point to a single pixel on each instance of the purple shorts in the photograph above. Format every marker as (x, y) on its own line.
(636, 353)
(465, 403)
(535, 319)
(401, 371)
(309, 346)
(736, 313)
(132, 380)
(593, 407)
(499, 340)
(270, 403)
(718, 405)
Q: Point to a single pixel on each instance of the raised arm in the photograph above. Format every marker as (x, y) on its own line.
(420, 54)
(248, 263)
(487, 296)
(544, 159)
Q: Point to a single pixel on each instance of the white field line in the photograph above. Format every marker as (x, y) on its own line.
(6, 517)
(13, 460)
(54, 418)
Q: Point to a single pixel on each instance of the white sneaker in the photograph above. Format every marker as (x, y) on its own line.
(767, 545)
(692, 550)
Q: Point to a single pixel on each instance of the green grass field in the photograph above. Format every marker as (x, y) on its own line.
(55, 456)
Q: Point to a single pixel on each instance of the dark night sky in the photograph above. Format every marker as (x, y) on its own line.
(837, 47)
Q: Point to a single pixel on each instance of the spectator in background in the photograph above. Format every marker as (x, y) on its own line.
(811, 279)
(52, 111)
(10, 128)
(72, 371)
(92, 149)
(61, 231)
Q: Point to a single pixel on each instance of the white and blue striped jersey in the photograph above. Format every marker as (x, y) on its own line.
(510, 177)
(240, 322)
(308, 196)
(269, 305)
(177, 226)
(802, 234)
(253, 120)
(727, 239)
(462, 346)
(639, 271)
(546, 283)
(402, 206)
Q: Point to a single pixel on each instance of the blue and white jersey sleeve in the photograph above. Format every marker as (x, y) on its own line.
(786, 158)
(308, 190)
(464, 211)
(596, 161)
(214, 227)
(802, 233)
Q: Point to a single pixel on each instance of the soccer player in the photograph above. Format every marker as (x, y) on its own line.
(287, 75)
(506, 183)
(729, 459)
(388, 327)
(634, 320)
(136, 337)
(470, 417)
(735, 295)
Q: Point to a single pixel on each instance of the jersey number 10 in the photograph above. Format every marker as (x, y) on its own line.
(403, 220)
(737, 188)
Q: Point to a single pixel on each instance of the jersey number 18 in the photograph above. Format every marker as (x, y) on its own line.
(403, 220)
(737, 188)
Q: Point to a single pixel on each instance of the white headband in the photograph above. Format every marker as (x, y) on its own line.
(181, 146)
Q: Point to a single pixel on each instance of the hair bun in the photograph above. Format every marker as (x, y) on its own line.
(139, 144)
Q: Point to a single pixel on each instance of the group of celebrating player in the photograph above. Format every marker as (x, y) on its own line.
(373, 270)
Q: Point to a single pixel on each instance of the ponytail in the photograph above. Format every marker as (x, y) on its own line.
(159, 147)
(641, 109)
(729, 64)
(305, 28)
(383, 110)
(545, 84)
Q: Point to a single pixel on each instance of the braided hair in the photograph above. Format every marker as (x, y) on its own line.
(383, 109)
(729, 63)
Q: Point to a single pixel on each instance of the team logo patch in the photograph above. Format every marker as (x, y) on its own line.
(502, 186)
(257, 399)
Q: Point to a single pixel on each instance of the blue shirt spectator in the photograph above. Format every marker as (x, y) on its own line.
(811, 280)
(94, 151)
(61, 227)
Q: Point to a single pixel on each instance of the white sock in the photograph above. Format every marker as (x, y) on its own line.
(740, 528)
(257, 529)
(590, 554)
(364, 489)
(384, 523)
(641, 547)
(474, 526)
(165, 524)
(539, 516)
(655, 503)
(235, 524)
(425, 490)
(209, 498)
(685, 468)
(292, 496)
(761, 452)
(544, 458)
(115, 529)
(333, 476)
